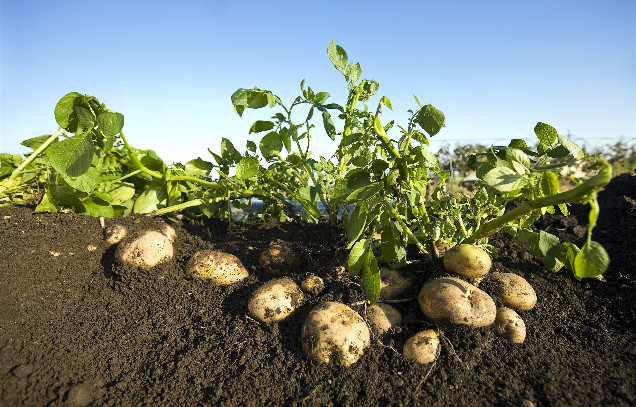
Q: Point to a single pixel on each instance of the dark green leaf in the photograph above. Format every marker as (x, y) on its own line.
(354, 71)
(371, 283)
(546, 134)
(65, 114)
(271, 145)
(110, 123)
(86, 182)
(357, 222)
(151, 199)
(518, 143)
(35, 142)
(330, 128)
(85, 117)
(357, 256)
(365, 193)
(72, 156)
(430, 119)
(337, 56)
(260, 126)
(251, 146)
(247, 168)
(549, 183)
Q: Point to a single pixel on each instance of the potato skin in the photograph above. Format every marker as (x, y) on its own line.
(514, 291)
(313, 285)
(275, 300)
(467, 260)
(280, 258)
(451, 300)
(145, 251)
(422, 347)
(334, 332)
(393, 285)
(383, 317)
(218, 267)
(510, 326)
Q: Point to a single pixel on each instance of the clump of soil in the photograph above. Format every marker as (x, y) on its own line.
(76, 329)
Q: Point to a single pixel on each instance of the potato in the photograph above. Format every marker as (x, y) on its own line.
(451, 300)
(422, 347)
(334, 332)
(510, 326)
(393, 285)
(169, 232)
(114, 234)
(218, 267)
(467, 260)
(383, 317)
(312, 285)
(514, 291)
(280, 258)
(145, 251)
(275, 300)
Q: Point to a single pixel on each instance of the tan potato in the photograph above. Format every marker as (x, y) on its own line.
(422, 347)
(383, 317)
(218, 267)
(313, 285)
(169, 232)
(334, 332)
(510, 326)
(275, 300)
(467, 260)
(114, 234)
(145, 251)
(451, 300)
(514, 291)
(393, 285)
(280, 258)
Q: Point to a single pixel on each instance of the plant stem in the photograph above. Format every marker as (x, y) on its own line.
(136, 160)
(33, 156)
(410, 234)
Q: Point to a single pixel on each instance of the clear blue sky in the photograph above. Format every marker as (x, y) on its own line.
(495, 68)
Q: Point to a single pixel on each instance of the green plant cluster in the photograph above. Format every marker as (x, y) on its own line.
(373, 186)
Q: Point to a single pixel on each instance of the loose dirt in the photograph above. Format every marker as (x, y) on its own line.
(77, 329)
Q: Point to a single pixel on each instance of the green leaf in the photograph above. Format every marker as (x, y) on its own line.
(251, 98)
(321, 97)
(122, 192)
(330, 128)
(549, 183)
(198, 167)
(518, 159)
(353, 72)
(35, 142)
(153, 197)
(65, 114)
(357, 256)
(388, 243)
(96, 206)
(337, 56)
(110, 123)
(540, 243)
(86, 182)
(518, 143)
(85, 117)
(591, 261)
(247, 168)
(260, 126)
(72, 156)
(271, 145)
(365, 193)
(430, 119)
(504, 179)
(371, 283)
(572, 147)
(357, 222)
(546, 134)
(251, 146)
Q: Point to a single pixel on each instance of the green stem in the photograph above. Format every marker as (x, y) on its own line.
(195, 180)
(33, 156)
(594, 184)
(410, 234)
(136, 160)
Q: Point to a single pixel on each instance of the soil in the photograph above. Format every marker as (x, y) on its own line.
(78, 329)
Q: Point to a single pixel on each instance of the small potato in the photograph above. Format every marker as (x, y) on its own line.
(275, 300)
(313, 285)
(334, 332)
(451, 300)
(383, 317)
(114, 234)
(218, 267)
(280, 258)
(467, 260)
(145, 251)
(393, 285)
(510, 326)
(514, 291)
(422, 347)
(169, 232)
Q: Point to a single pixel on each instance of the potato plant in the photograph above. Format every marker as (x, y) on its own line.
(373, 185)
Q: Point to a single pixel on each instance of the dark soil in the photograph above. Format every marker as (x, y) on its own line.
(76, 329)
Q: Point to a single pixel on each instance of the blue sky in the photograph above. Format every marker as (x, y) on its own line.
(495, 68)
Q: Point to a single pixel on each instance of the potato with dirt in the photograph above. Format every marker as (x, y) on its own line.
(280, 258)
(313, 285)
(145, 251)
(275, 300)
(333, 332)
(467, 260)
(451, 300)
(393, 284)
(382, 318)
(218, 267)
(422, 347)
(514, 291)
(510, 326)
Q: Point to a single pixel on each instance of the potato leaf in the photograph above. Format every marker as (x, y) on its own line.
(591, 261)
(430, 119)
(247, 168)
(337, 56)
(505, 179)
(371, 278)
(357, 222)
(198, 167)
(357, 256)
(72, 156)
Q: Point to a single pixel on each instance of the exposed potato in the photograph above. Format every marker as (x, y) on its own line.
(169, 232)
(383, 317)
(333, 331)
(514, 291)
(218, 267)
(510, 326)
(422, 347)
(467, 260)
(114, 234)
(312, 285)
(280, 258)
(452, 300)
(145, 251)
(275, 300)
(393, 285)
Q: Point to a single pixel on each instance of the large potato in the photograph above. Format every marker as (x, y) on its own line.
(467, 260)
(218, 267)
(510, 326)
(334, 332)
(145, 251)
(280, 258)
(393, 285)
(383, 317)
(514, 291)
(275, 300)
(454, 301)
(422, 347)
